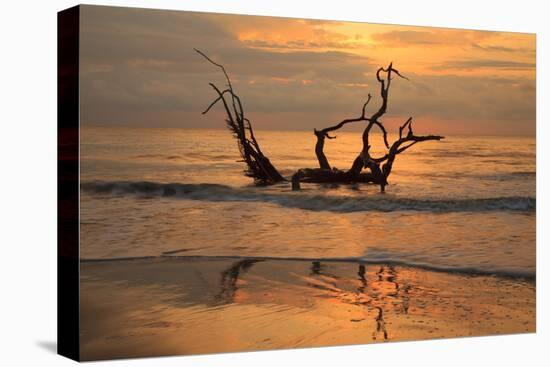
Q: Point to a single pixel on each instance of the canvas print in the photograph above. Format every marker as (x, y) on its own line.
(251, 183)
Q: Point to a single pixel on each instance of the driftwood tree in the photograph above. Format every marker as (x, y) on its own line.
(258, 165)
(365, 168)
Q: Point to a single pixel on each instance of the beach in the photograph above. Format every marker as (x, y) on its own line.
(180, 253)
(191, 305)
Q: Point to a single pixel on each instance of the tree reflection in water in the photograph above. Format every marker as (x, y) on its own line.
(381, 295)
(230, 278)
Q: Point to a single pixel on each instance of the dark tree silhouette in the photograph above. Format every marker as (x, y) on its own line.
(365, 168)
(322, 134)
(258, 165)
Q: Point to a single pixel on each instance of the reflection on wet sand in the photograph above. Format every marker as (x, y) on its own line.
(149, 306)
(381, 296)
(230, 277)
(380, 324)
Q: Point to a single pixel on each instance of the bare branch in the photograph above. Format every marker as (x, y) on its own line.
(323, 133)
(401, 150)
(397, 72)
(216, 64)
(215, 101)
(384, 132)
(408, 122)
(227, 110)
(365, 106)
(258, 166)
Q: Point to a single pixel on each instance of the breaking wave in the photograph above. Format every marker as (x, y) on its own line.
(306, 201)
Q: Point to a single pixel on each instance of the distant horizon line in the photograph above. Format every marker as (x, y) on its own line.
(288, 130)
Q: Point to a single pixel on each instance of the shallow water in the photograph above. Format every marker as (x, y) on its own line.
(463, 204)
(146, 307)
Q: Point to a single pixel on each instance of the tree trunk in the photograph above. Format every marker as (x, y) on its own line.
(319, 146)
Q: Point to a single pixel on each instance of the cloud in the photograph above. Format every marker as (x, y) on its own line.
(501, 48)
(476, 103)
(300, 44)
(407, 38)
(474, 64)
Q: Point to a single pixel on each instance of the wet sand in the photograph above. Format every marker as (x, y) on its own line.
(179, 306)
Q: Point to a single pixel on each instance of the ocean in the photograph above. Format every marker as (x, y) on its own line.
(464, 204)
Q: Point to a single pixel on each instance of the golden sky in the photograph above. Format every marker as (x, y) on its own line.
(138, 68)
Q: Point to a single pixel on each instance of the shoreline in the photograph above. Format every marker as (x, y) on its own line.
(520, 275)
(194, 305)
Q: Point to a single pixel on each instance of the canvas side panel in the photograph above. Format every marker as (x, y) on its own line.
(68, 22)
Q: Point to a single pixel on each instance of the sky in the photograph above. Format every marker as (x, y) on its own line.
(138, 69)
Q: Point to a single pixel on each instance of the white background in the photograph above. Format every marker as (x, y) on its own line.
(28, 182)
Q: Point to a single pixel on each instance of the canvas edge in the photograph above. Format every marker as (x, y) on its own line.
(68, 26)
